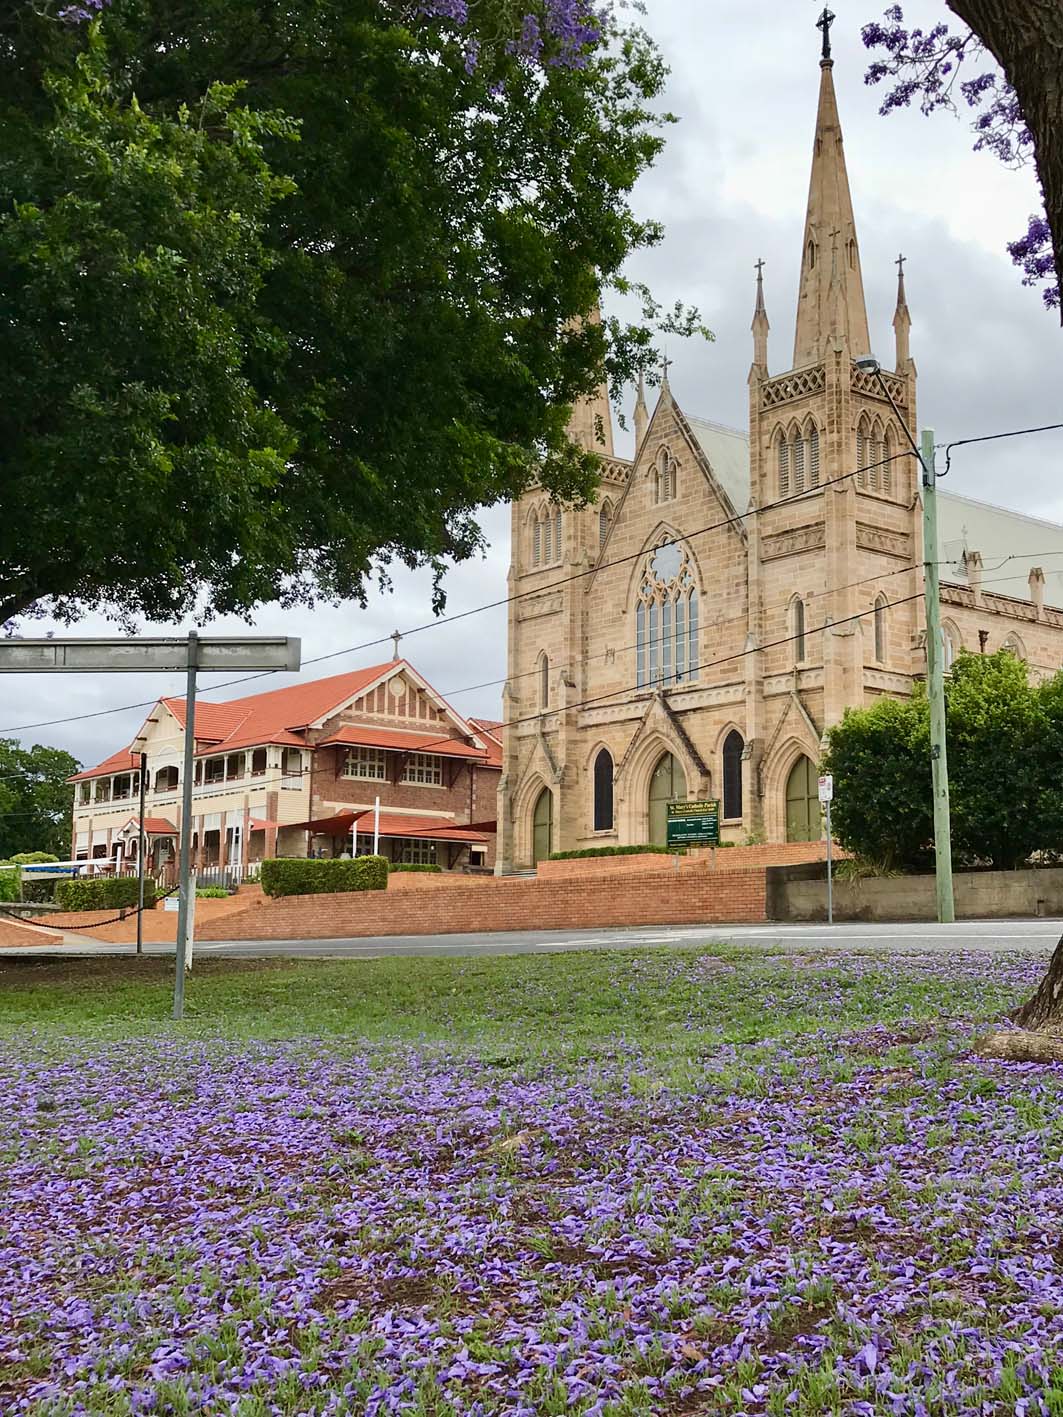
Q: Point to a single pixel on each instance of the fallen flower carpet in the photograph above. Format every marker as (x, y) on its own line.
(676, 1182)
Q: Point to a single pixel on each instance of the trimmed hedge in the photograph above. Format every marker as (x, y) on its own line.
(103, 893)
(618, 851)
(284, 876)
(423, 867)
(10, 879)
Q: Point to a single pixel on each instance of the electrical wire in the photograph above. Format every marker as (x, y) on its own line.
(488, 605)
(992, 438)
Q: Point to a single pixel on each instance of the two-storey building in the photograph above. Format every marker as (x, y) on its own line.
(299, 771)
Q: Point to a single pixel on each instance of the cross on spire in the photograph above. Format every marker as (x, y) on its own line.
(396, 639)
(899, 263)
(666, 364)
(824, 23)
(758, 266)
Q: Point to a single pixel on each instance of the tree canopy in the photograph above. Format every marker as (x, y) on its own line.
(1003, 736)
(35, 799)
(294, 287)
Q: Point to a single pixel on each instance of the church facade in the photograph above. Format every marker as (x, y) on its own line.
(696, 631)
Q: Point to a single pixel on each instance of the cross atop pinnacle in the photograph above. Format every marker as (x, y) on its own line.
(824, 23)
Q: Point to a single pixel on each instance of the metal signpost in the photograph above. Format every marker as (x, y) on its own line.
(826, 797)
(141, 842)
(163, 655)
(693, 824)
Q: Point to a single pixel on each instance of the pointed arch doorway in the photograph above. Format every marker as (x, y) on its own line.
(803, 815)
(667, 784)
(543, 826)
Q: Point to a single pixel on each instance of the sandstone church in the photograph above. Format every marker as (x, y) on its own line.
(741, 591)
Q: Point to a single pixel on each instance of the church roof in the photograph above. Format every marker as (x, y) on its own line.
(727, 450)
(997, 533)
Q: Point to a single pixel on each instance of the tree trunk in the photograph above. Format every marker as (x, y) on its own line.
(1018, 1045)
(1026, 39)
(1046, 1006)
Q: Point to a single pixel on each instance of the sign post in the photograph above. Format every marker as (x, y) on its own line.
(693, 823)
(165, 654)
(826, 797)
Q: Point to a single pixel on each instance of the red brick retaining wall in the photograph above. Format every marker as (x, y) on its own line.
(664, 898)
(727, 858)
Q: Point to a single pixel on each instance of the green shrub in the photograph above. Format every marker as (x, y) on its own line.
(103, 893)
(305, 877)
(10, 881)
(32, 858)
(589, 851)
(425, 867)
(212, 893)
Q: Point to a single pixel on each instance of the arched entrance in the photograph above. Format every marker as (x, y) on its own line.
(803, 816)
(543, 826)
(667, 784)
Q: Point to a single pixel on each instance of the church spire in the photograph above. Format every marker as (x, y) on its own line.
(902, 320)
(642, 414)
(760, 326)
(831, 299)
(591, 421)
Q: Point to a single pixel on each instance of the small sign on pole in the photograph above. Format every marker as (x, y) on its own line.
(826, 797)
(693, 823)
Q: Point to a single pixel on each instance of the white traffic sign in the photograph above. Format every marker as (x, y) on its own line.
(826, 789)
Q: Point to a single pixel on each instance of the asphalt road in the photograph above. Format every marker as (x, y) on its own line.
(1035, 935)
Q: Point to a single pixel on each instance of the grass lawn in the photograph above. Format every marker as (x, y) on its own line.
(672, 1182)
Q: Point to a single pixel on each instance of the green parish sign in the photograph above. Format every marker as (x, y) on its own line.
(693, 824)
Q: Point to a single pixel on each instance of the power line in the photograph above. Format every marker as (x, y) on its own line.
(488, 605)
(992, 438)
(566, 580)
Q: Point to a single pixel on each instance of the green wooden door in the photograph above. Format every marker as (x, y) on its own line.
(543, 826)
(668, 784)
(803, 815)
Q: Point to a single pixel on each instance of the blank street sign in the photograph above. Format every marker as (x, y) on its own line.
(100, 655)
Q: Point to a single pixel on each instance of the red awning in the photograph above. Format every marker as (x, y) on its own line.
(404, 826)
(395, 741)
(260, 824)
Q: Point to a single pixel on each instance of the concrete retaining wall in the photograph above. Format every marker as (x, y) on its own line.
(800, 893)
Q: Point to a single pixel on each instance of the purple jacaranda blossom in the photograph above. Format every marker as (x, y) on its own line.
(932, 67)
(319, 1226)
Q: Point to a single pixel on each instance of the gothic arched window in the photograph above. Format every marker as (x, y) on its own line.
(666, 619)
(733, 748)
(546, 535)
(880, 629)
(782, 455)
(889, 451)
(544, 681)
(537, 542)
(558, 548)
(603, 791)
(664, 477)
(797, 615)
(605, 513)
(812, 440)
(797, 461)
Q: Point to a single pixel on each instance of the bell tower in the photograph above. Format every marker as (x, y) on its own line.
(828, 465)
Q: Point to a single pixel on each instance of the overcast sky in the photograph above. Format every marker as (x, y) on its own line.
(730, 188)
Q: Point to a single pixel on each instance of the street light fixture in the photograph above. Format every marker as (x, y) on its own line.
(935, 657)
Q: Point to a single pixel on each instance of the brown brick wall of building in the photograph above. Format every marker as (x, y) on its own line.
(730, 897)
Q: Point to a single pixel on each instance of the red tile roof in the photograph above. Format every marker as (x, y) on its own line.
(411, 826)
(272, 717)
(125, 760)
(407, 825)
(399, 741)
(491, 731)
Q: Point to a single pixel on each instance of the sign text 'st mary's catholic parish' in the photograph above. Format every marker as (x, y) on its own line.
(694, 823)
